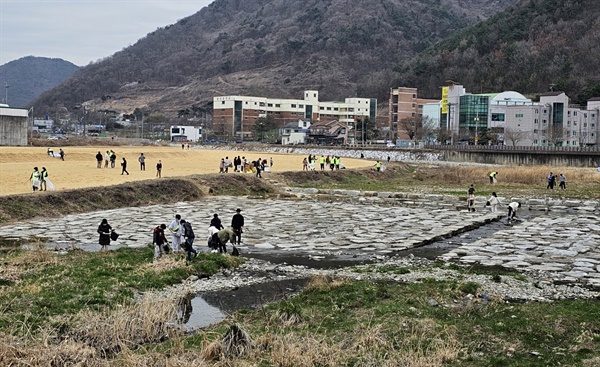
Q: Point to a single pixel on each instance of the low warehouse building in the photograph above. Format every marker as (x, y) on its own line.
(13, 126)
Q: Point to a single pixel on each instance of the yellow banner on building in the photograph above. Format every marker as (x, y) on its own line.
(444, 100)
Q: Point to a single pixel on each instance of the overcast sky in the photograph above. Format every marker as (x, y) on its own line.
(81, 31)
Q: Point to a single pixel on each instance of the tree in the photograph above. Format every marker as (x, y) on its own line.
(555, 134)
(515, 136)
(265, 129)
(417, 128)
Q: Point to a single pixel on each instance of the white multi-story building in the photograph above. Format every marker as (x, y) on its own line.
(236, 115)
(553, 122)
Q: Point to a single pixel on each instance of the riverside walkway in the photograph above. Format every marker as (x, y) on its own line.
(565, 247)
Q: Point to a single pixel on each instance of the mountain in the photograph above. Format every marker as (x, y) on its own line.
(30, 76)
(534, 46)
(343, 48)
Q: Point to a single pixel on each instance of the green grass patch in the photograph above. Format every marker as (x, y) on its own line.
(383, 323)
(95, 281)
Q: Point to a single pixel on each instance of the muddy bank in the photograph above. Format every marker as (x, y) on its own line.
(133, 194)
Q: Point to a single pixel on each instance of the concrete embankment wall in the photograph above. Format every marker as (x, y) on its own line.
(500, 156)
(525, 158)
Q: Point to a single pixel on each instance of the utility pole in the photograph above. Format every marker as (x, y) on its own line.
(6, 92)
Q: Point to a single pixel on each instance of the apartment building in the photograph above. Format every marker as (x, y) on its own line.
(404, 104)
(553, 122)
(234, 116)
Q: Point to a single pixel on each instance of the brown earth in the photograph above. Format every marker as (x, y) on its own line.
(79, 168)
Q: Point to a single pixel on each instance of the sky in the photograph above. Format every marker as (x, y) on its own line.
(82, 31)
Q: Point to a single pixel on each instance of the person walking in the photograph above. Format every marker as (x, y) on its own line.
(35, 179)
(378, 166)
(188, 233)
(142, 161)
(43, 176)
(176, 233)
(237, 222)
(62, 154)
(124, 166)
(99, 160)
(257, 165)
(159, 169)
(494, 202)
(271, 162)
(305, 164)
(159, 241)
(104, 230)
(562, 181)
(106, 159)
(471, 199)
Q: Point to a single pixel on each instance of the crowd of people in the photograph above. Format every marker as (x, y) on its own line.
(182, 236)
(552, 179)
(110, 158)
(332, 162)
(241, 164)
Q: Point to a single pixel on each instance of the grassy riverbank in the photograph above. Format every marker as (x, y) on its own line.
(77, 309)
(89, 309)
(452, 179)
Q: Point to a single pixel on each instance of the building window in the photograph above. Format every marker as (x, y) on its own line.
(519, 115)
(222, 102)
(321, 108)
(585, 124)
(301, 106)
(574, 113)
(270, 105)
(544, 121)
(336, 109)
(294, 105)
(328, 108)
(536, 121)
(277, 105)
(535, 131)
(537, 111)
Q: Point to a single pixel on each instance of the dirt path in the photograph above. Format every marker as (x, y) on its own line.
(79, 168)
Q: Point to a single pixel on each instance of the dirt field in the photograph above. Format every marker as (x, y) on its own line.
(79, 168)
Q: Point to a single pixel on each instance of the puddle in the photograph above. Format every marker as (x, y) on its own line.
(212, 307)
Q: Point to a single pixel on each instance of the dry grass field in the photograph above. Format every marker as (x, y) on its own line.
(79, 168)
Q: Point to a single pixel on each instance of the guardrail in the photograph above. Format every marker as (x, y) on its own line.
(510, 148)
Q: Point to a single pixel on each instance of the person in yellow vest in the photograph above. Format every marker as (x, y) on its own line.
(337, 163)
(43, 177)
(493, 175)
(35, 178)
(378, 166)
(322, 162)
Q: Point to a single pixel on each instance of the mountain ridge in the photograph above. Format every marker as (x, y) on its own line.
(342, 48)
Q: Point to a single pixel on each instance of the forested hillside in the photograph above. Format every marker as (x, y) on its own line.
(534, 46)
(342, 48)
(29, 76)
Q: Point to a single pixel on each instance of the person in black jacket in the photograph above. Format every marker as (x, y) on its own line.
(237, 222)
(104, 230)
(216, 222)
(99, 160)
(188, 232)
(160, 241)
(124, 166)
